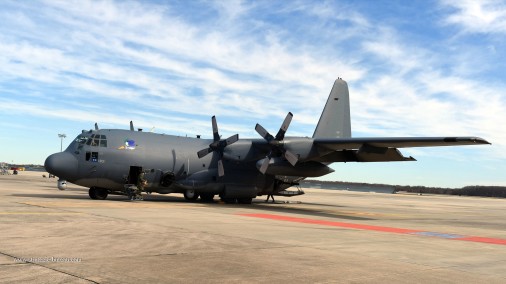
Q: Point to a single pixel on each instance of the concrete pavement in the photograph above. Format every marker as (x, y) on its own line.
(52, 236)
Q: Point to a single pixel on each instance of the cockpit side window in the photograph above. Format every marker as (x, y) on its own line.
(81, 139)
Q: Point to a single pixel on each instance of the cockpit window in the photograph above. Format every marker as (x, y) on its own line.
(97, 140)
(93, 140)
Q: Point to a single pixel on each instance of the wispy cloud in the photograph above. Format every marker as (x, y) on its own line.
(487, 16)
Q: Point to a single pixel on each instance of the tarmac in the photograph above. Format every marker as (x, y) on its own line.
(324, 236)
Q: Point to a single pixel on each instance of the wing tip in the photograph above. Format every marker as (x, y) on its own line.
(479, 140)
(473, 140)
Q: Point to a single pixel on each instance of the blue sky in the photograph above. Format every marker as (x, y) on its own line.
(414, 68)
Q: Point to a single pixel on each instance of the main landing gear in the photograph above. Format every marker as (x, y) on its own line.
(191, 195)
(237, 200)
(98, 193)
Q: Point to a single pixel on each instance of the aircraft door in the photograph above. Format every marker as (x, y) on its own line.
(133, 174)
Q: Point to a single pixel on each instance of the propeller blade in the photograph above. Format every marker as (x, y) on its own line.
(291, 157)
(265, 165)
(264, 133)
(232, 139)
(216, 135)
(221, 171)
(276, 144)
(284, 127)
(204, 152)
(218, 145)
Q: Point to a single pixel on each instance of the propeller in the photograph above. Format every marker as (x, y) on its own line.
(218, 146)
(276, 143)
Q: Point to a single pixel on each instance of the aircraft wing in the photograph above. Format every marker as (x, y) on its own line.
(382, 149)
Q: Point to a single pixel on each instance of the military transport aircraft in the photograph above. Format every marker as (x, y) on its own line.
(238, 170)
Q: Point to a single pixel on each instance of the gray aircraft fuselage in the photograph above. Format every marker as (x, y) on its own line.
(103, 158)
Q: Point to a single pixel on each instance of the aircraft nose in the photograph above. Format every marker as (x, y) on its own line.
(62, 165)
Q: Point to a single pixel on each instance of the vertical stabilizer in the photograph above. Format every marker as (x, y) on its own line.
(335, 119)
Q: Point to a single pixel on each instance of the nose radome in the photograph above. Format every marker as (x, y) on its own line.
(62, 165)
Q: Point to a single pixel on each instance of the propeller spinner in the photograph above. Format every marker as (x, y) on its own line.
(218, 146)
(276, 143)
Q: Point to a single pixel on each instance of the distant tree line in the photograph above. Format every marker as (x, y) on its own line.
(473, 190)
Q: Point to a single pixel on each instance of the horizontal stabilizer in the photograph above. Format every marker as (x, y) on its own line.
(389, 155)
(396, 142)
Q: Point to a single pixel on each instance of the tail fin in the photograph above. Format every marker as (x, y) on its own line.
(335, 120)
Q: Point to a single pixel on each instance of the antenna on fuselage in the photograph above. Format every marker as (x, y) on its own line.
(96, 126)
(131, 126)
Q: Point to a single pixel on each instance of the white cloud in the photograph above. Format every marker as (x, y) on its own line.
(485, 16)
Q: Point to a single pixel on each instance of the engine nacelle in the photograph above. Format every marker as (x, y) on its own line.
(278, 166)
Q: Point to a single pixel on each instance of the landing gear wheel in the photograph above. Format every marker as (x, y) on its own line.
(93, 193)
(229, 200)
(101, 193)
(244, 200)
(190, 195)
(98, 193)
(207, 197)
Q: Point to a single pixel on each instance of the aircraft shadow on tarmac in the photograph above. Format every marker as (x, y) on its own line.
(51, 195)
(309, 209)
(316, 211)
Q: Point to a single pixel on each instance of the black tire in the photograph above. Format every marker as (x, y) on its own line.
(229, 200)
(92, 193)
(190, 195)
(207, 197)
(244, 200)
(101, 193)
(98, 193)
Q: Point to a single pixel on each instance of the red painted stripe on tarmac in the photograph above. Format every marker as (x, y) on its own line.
(372, 228)
(332, 223)
(483, 240)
